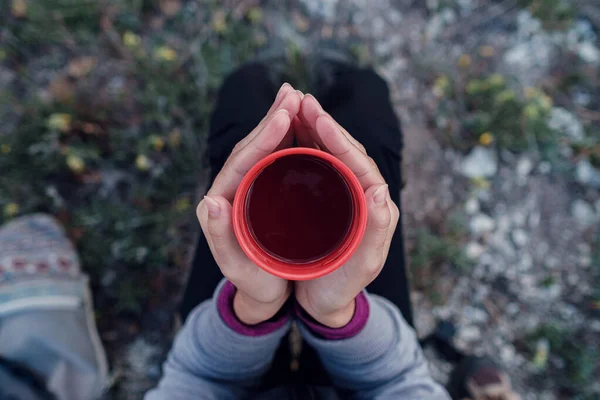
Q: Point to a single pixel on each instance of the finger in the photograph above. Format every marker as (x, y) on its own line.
(311, 109)
(281, 93)
(381, 223)
(214, 214)
(291, 103)
(303, 137)
(288, 140)
(339, 146)
(263, 144)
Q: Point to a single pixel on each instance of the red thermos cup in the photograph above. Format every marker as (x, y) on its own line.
(299, 213)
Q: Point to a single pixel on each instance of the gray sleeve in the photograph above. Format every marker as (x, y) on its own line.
(383, 361)
(209, 360)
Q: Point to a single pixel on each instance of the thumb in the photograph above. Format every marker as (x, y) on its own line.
(214, 213)
(381, 223)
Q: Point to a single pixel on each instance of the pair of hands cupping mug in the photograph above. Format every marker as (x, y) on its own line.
(329, 299)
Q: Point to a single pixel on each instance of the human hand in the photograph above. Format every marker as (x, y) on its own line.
(259, 294)
(330, 299)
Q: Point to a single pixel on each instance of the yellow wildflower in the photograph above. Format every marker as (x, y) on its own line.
(142, 162)
(131, 40)
(540, 358)
(481, 183)
(474, 86)
(182, 204)
(486, 51)
(165, 53)
(60, 121)
(175, 138)
(486, 138)
(219, 23)
(11, 209)
(546, 102)
(496, 80)
(18, 8)
(505, 95)
(157, 142)
(530, 92)
(75, 163)
(464, 61)
(5, 148)
(255, 15)
(441, 86)
(531, 111)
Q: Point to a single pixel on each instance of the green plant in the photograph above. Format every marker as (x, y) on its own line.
(580, 359)
(114, 150)
(554, 14)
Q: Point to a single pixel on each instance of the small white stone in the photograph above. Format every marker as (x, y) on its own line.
(524, 166)
(586, 174)
(585, 261)
(562, 121)
(520, 237)
(583, 213)
(519, 218)
(472, 206)
(526, 262)
(474, 250)
(470, 333)
(551, 262)
(507, 353)
(512, 308)
(481, 162)
(544, 167)
(481, 224)
(589, 53)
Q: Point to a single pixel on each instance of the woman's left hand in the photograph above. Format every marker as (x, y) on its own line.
(330, 299)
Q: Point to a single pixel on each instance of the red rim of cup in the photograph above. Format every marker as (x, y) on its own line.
(310, 270)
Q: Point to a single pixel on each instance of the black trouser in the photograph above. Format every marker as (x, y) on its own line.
(359, 101)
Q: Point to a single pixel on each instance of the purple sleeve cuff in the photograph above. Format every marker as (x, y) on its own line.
(356, 324)
(225, 307)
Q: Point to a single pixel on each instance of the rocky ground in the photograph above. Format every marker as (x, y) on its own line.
(499, 102)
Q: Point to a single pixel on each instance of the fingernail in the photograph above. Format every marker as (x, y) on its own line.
(301, 94)
(214, 209)
(316, 101)
(280, 90)
(282, 111)
(380, 195)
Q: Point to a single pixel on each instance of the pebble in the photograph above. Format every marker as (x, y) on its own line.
(566, 123)
(469, 333)
(481, 224)
(526, 262)
(519, 218)
(545, 167)
(551, 262)
(585, 261)
(507, 354)
(589, 53)
(481, 162)
(474, 250)
(583, 213)
(524, 167)
(512, 308)
(472, 206)
(586, 174)
(520, 237)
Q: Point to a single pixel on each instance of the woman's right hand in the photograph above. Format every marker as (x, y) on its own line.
(259, 294)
